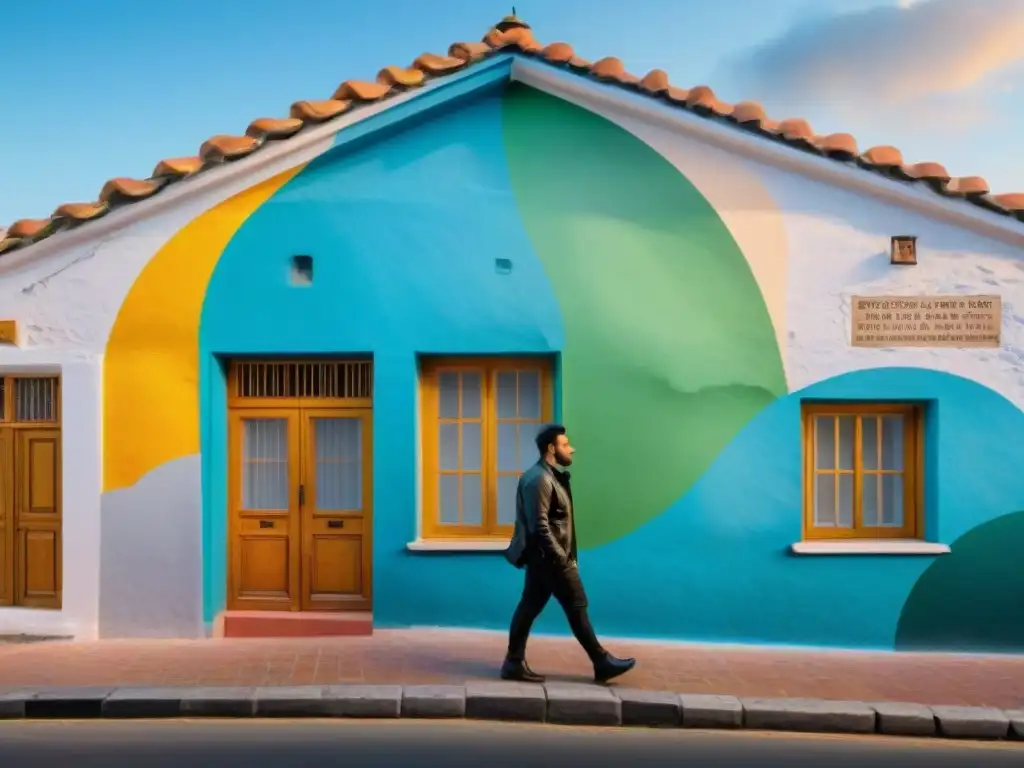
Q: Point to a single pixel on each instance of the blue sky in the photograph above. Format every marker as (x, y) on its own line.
(97, 90)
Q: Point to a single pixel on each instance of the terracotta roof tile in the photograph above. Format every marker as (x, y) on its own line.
(883, 157)
(796, 129)
(27, 228)
(80, 211)
(514, 36)
(1011, 201)
(318, 111)
(274, 127)
(218, 148)
(969, 185)
(432, 64)
(702, 100)
(357, 90)
(469, 52)
(928, 170)
(655, 81)
(558, 53)
(129, 190)
(178, 167)
(749, 113)
(841, 146)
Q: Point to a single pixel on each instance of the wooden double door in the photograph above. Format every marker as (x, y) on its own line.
(300, 513)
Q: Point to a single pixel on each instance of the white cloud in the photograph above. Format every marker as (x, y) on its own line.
(892, 55)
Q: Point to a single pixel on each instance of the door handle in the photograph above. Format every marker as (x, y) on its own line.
(302, 495)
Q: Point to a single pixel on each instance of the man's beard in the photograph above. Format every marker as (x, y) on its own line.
(562, 460)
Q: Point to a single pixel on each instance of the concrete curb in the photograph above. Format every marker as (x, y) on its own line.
(555, 702)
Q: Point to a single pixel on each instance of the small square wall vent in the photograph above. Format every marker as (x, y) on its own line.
(302, 270)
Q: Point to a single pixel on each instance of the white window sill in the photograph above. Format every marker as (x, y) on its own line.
(869, 547)
(457, 545)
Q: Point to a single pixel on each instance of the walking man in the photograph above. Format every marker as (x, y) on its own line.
(544, 543)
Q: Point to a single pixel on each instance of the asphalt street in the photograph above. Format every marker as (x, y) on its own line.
(283, 743)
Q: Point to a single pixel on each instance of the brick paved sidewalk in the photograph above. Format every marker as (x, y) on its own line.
(449, 656)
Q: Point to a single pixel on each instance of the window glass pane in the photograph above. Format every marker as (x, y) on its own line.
(472, 501)
(508, 451)
(529, 395)
(825, 442)
(448, 395)
(846, 501)
(265, 464)
(825, 500)
(507, 485)
(846, 441)
(471, 393)
(528, 454)
(892, 442)
(506, 394)
(448, 501)
(892, 501)
(871, 511)
(472, 446)
(338, 463)
(869, 442)
(448, 446)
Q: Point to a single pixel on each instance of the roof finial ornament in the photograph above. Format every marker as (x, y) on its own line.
(511, 22)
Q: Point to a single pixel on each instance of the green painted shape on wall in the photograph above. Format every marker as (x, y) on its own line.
(669, 347)
(970, 598)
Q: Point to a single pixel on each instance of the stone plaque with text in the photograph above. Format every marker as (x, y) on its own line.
(926, 321)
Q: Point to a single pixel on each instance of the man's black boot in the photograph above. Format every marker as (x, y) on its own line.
(520, 671)
(608, 667)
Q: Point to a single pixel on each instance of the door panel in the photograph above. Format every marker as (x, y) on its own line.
(38, 518)
(6, 515)
(336, 520)
(264, 477)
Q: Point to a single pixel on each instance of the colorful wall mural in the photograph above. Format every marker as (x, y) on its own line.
(674, 348)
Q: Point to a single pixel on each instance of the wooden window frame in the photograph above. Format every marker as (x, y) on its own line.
(236, 400)
(430, 370)
(7, 401)
(913, 470)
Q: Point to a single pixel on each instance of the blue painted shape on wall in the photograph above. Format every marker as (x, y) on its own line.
(404, 235)
(716, 566)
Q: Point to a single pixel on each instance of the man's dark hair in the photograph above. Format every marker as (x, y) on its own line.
(547, 436)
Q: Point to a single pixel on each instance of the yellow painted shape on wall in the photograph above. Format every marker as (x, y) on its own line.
(151, 367)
